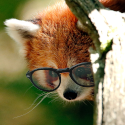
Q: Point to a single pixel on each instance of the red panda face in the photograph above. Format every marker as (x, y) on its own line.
(53, 40)
(69, 82)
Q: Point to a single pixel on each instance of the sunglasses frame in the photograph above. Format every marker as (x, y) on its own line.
(57, 71)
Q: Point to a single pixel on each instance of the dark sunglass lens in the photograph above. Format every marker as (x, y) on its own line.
(46, 79)
(80, 72)
(83, 75)
(52, 74)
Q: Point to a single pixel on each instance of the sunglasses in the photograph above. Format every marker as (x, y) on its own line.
(49, 79)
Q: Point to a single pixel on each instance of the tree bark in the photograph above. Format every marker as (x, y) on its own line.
(107, 29)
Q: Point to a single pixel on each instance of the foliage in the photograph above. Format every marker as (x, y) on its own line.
(7, 9)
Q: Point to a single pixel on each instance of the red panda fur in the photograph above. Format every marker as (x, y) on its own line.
(58, 39)
(117, 5)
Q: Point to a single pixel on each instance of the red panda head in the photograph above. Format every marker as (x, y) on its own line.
(53, 40)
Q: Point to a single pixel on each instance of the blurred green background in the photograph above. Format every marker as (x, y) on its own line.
(16, 92)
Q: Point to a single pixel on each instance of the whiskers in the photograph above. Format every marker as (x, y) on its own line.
(40, 95)
(55, 97)
(28, 89)
(43, 95)
(84, 101)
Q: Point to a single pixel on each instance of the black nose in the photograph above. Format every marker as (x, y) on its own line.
(70, 95)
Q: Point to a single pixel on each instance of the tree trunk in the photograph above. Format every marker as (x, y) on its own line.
(107, 29)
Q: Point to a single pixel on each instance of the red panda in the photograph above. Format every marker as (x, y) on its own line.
(53, 47)
(117, 5)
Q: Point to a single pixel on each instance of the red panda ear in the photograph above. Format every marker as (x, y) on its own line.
(21, 30)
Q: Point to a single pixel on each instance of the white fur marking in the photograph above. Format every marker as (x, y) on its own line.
(14, 25)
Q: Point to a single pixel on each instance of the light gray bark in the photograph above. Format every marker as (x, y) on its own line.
(107, 29)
